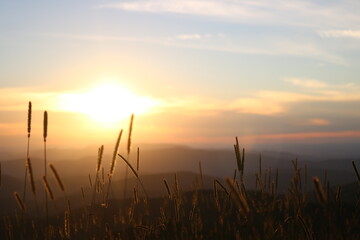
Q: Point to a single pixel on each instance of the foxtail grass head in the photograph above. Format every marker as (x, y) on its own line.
(130, 132)
(100, 155)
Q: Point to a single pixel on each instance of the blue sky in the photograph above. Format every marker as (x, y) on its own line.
(280, 70)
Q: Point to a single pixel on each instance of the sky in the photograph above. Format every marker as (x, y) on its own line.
(194, 72)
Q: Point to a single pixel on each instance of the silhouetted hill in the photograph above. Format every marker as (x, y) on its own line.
(78, 164)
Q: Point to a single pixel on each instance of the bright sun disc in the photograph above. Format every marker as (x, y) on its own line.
(106, 103)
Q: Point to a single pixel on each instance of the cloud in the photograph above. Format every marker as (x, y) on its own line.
(297, 12)
(268, 102)
(191, 7)
(303, 136)
(191, 36)
(318, 122)
(273, 47)
(197, 36)
(256, 106)
(339, 34)
(307, 83)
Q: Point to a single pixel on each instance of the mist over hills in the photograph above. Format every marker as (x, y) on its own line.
(157, 163)
(219, 163)
(171, 158)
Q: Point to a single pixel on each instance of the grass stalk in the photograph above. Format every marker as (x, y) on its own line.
(112, 167)
(28, 146)
(128, 154)
(135, 174)
(45, 131)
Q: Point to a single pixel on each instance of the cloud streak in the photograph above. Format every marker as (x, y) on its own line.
(339, 34)
(307, 83)
(227, 44)
(298, 12)
(304, 136)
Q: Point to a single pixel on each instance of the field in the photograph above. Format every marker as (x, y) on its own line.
(228, 210)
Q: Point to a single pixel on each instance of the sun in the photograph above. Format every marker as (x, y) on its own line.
(106, 103)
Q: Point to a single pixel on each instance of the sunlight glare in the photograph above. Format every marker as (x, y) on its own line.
(107, 103)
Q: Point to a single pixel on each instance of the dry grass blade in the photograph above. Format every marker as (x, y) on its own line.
(19, 201)
(338, 193)
(57, 177)
(29, 119)
(90, 182)
(138, 160)
(31, 175)
(242, 161)
(215, 189)
(82, 193)
(113, 161)
(45, 125)
(167, 188)
(135, 173)
(222, 186)
(238, 197)
(321, 196)
(306, 229)
(237, 154)
(201, 174)
(260, 160)
(130, 132)
(47, 188)
(356, 171)
(129, 165)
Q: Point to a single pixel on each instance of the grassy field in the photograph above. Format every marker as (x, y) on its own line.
(228, 211)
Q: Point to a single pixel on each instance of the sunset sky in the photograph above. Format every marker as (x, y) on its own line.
(195, 72)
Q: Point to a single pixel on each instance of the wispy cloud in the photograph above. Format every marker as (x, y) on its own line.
(192, 7)
(221, 43)
(298, 12)
(278, 102)
(258, 106)
(317, 122)
(197, 36)
(340, 34)
(307, 83)
(302, 136)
